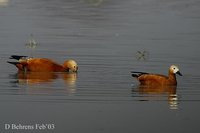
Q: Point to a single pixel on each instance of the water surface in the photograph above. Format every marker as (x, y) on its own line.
(104, 37)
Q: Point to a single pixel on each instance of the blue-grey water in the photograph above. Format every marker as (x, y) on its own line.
(107, 39)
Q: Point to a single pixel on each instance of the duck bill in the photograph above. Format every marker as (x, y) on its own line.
(73, 71)
(179, 73)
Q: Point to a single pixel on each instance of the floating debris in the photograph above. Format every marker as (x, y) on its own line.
(32, 44)
(142, 55)
(4, 2)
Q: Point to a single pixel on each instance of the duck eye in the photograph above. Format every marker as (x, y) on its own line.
(174, 68)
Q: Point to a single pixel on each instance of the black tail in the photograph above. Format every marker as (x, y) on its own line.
(16, 57)
(14, 63)
(137, 74)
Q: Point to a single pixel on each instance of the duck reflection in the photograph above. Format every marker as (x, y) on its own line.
(43, 81)
(35, 77)
(152, 92)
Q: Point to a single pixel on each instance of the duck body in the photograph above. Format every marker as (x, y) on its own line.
(43, 65)
(157, 79)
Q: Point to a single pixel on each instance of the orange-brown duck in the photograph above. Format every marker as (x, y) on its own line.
(157, 79)
(42, 64)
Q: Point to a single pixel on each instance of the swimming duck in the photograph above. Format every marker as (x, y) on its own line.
(42, 64)
(157, 79)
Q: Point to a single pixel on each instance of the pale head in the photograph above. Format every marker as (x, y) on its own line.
(174, 69)
(70, 65)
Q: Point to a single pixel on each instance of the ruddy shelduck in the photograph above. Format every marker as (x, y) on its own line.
(42, 64)
(157, 79)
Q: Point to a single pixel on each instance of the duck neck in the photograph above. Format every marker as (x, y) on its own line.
(172, 78)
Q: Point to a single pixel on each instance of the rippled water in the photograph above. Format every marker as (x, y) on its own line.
(108, 39)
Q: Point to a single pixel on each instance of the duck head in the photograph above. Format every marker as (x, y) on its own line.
(70, 65)
(174, 69)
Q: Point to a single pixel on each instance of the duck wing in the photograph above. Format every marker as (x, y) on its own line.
(17, 57)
